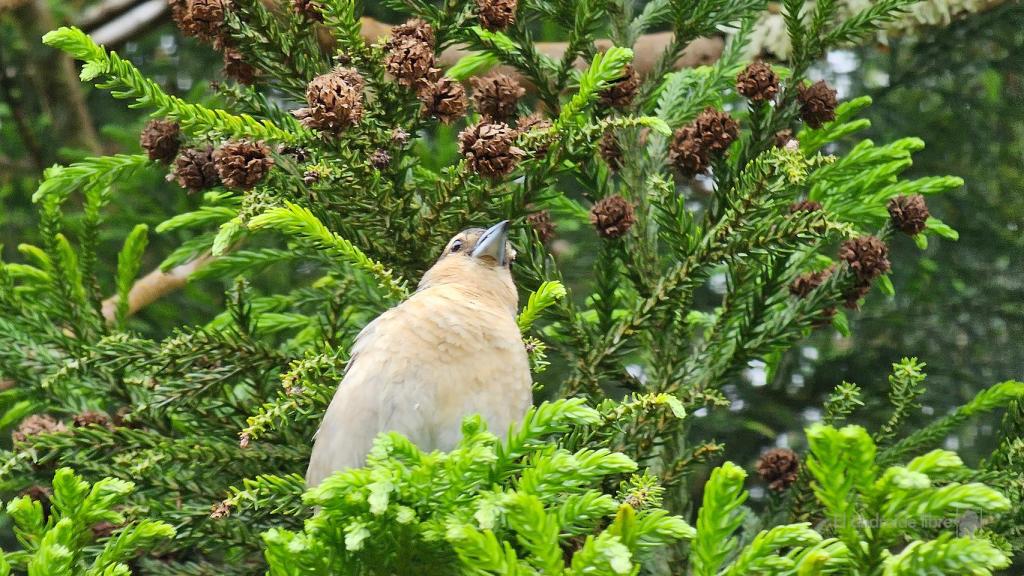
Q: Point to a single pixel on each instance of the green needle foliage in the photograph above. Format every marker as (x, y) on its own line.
(723, 215)
(875, 510)
(125, 81)
(523, 506)
(82, 533)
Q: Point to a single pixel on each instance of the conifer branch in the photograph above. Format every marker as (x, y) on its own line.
(993, 398)
(152, 287)
(125, 81)
(224, 414)
(298, 221)
(546, 296)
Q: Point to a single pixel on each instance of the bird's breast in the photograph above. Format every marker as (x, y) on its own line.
(440, 357)
(419, 369)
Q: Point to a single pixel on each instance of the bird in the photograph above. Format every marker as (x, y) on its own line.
(450, 350)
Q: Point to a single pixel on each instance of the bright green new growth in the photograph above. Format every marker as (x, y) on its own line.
(125, 81)
(63, 542)
(947, 555)
(523, 506)
(605, 68)
(547, 295)
(530, 505)
(719, 518)
(875, 511)
(298, 221)
(785, 549)
(129, 261)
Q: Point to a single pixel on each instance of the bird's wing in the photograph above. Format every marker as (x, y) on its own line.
(349, 424)
(380, 392)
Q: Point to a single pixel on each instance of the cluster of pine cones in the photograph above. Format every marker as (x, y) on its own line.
(492, 147)
(238, 164)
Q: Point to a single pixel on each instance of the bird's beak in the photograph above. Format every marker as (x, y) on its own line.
(492, 243)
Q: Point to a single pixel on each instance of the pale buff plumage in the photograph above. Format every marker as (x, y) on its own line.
(451, 350)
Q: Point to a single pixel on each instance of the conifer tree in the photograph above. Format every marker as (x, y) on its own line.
(319, 159)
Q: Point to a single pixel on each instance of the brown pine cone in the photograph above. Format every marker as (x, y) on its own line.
(410, 52)
(311, 9)
(242, 164)
(91, 418)
(542, 225)
(716, 130)
(444, 99)
(610, 150)
(399, 136)
(758, 82)
(782, 137)
(495, 96)
(824, 317)
(490, 148)
(37, 424)
(535, 121)
(804, 206)
(181, 16)
(612, 216)
(380, 159)
(687, 154)
(621, 92)
(194, 169)
(853, 294)
(409, 60)
(779, 467)
(161, 140)
(236, 68)
(867, 257)
(817, 103)
(909, 213)
(415, 29)
(335, 101)
(103, 529)
(805, 283)
(206, 20)
(41, 494)
(496, 14)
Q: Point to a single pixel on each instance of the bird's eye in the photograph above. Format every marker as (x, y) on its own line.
(457, 245)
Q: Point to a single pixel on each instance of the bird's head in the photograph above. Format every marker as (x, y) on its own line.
(478, 261)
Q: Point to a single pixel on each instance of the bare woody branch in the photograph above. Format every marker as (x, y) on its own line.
(154, 286)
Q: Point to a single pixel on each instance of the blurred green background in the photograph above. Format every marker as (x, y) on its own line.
(959, 306)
